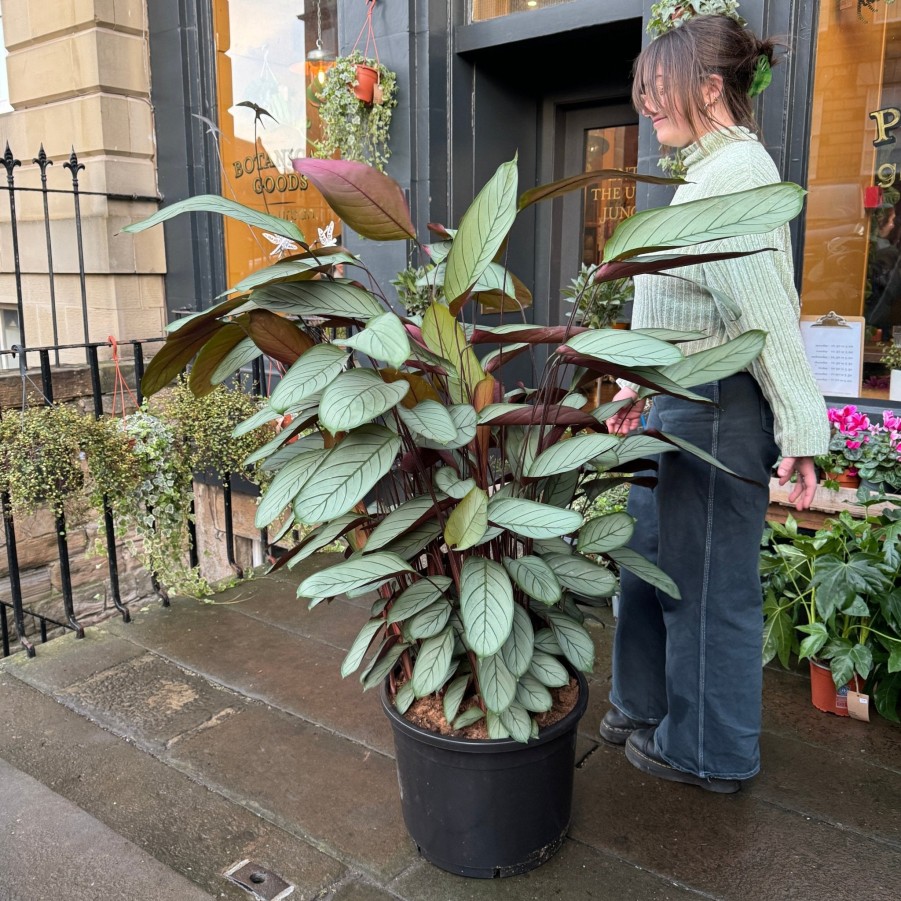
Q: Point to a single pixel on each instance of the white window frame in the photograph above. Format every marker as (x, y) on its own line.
(7, 361)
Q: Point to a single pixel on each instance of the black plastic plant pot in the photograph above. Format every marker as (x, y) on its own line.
(486, 808)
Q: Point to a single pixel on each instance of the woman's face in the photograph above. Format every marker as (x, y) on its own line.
(671, 125)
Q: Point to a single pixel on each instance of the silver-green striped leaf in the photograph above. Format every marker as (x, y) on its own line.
(517, 722)
(582, 576)
(417, 597)
(356, 397)
(625, 348)
(319, 297)
(454, 696)
(548, 670)
(497, 683)
(288, 483)
(535, 578)
(384, 338)
(428, 622)
(373, 675)
(532, 694)
(431, 420)
(545, 641)
(468, 717)
(486, 605)
(404, 698)
(432, 663)
(464, 418)
(399, 521)
(518, 648)
(606, 533)
(451, 484)
(309, 374)
(358, 649)
(644, 569)
(531, 519)
(350, 574)
(564, 456)
(346, 474)
(574, 640)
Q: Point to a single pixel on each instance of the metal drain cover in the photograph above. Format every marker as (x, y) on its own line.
(260, 882)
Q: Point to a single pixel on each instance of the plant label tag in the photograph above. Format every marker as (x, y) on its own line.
(378, 96)
(858, 706)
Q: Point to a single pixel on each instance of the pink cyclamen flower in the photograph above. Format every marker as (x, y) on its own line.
(853, 445)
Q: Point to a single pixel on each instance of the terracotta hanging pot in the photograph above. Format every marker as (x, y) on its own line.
(823, 693)
(367, 79)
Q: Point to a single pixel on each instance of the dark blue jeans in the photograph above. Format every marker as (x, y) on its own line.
(693, 666)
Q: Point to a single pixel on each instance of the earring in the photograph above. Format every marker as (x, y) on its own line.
(711, 102)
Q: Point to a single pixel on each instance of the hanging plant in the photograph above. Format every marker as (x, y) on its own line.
(352, 127)
(55, 456)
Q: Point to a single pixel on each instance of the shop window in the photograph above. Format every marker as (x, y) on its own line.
(9, 335)
(852, 244)
(480, 10)
(263, 58)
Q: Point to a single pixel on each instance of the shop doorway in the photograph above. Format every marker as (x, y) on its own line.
(597, 137)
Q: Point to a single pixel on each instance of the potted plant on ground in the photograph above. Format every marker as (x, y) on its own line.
(834, 598)
(355, 121)
(453, 489)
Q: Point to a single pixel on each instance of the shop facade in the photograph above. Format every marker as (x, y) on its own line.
(216, 96)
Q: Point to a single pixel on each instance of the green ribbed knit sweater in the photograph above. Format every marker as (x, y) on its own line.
(762, 286)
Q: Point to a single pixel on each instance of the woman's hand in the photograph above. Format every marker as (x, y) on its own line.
(806, 484)
(629, 417)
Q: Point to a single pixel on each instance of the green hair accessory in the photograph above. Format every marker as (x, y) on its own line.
(763, 75)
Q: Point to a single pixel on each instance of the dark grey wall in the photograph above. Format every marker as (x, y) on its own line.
(184, 82)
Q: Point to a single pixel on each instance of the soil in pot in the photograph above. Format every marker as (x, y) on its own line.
(823, 693)
(428, 713)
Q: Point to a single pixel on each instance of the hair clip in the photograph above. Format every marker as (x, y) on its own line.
(763, 75)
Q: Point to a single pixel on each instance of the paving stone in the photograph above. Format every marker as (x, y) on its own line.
(297, 674)
(360, 891)
(67, 659)
(736, 847)
(150, 699)
(274, 600)
(788, 711)
(50, 848)
(845, 790)
(575, 872)
(301, 777)
(189, 828)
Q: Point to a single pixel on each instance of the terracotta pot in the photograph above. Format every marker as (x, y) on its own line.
(823, 693)
(844, 479)
(367, 77)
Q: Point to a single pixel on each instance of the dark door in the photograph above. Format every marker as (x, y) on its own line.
(599, 137)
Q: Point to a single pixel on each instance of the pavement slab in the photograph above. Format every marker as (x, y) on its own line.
(335, 792)
(576, 872)
(51, 848)
(737, 847)
(185, 825)
(287, 670)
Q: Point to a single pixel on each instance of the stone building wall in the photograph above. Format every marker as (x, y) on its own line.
(79, 76)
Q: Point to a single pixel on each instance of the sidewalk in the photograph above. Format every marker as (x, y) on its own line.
(145, 760)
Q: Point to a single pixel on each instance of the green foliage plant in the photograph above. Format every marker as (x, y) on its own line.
(416, 289)
(58, 457)
(450, 483)
(599, 303)
(835, 596)
(351, 128)
(891, 356)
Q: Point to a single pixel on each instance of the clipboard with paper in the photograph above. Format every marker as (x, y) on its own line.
(834, 346)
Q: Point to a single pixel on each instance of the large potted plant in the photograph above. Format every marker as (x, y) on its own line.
(453, 486)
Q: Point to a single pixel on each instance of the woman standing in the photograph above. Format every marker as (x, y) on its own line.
(687, 676)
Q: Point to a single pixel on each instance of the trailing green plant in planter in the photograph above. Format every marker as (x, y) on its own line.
(452, 489)
(57, 457)
(354, 128)
(599, 304)
(416, 289)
